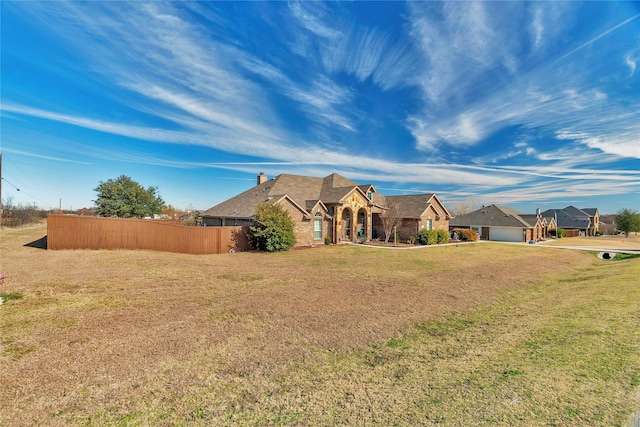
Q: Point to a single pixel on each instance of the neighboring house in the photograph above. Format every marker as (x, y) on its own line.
(500, 223)
(607, 225)
(331, 206)
(583, 222)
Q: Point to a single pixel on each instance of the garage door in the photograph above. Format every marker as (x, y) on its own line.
(506, 234)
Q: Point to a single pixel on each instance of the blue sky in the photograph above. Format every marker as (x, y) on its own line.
(527, 105)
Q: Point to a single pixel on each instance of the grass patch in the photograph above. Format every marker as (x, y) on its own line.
(621, 257)
(11, 296)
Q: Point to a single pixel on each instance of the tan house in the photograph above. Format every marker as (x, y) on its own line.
(501, 223)
(331, 206)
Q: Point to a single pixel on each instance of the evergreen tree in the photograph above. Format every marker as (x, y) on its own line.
(125, 198)
(628, 220)
(273, 228)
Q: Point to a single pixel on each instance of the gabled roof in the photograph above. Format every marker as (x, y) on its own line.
(335, 180)
(492, 216)
(564, 219)
(532, 219)
(367, 187)
(413, 205)
(336, 195)
(575, 212)
(590, 211)
(304, 191)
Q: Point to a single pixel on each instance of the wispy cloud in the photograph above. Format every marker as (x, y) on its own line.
(468, 68)
(39, 156)
(558, 94)
(361, 51)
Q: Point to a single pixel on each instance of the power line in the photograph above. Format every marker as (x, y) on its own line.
(21, 189)
(26, 193)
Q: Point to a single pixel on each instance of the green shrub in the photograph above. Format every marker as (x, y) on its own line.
(559, 232)
(432, 237)
(443, 236)
(328, 240)
(272, 229)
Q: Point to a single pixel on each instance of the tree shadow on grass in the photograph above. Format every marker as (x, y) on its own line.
(41, 243)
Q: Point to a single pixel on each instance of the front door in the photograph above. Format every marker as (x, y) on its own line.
(484, 235)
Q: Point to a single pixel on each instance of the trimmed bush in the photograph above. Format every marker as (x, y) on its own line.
(432, 237)
(443, 236)
(466, 234)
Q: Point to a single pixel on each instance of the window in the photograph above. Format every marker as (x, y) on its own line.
(429, 225)
(369, 195)
(317, 229)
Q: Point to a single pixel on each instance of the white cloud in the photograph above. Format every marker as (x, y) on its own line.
(631, 63)
(309, 15)
(537, 27)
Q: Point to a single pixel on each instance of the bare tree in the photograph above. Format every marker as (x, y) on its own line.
(390, 218)
(464, 206)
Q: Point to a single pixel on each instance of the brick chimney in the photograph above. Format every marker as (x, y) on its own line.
(261, 178)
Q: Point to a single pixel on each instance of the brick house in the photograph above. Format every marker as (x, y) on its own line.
(577, 222)
(331, 206)
(500, 223)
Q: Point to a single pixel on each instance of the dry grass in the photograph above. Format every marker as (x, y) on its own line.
(330, 336)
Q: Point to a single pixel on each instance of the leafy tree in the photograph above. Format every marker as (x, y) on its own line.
(272, 229)
(125, 198)
(628, 220)
(170, 211)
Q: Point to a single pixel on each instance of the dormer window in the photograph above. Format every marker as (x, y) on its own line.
(369, 195)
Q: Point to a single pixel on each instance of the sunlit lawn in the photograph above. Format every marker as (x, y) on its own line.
(479, 334)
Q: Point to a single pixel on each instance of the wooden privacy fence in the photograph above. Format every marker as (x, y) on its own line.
(86, 232)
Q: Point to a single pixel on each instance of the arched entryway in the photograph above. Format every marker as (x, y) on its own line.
(346, 232)
(361, 225)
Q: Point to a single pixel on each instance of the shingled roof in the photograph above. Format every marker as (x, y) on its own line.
(412, 206)
(565, 217)
(305, 191)
(492, 216)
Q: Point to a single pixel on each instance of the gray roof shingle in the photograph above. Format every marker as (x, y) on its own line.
(306, 191)
(491, 216)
